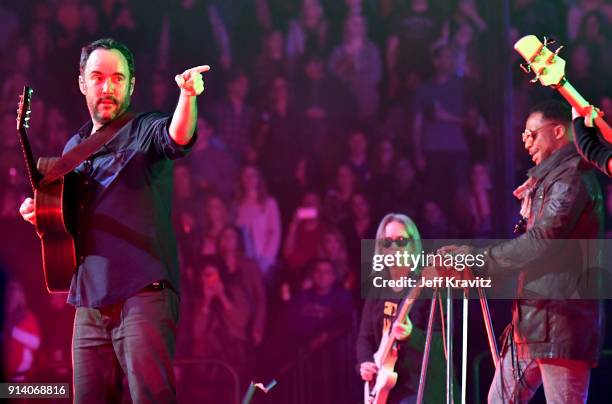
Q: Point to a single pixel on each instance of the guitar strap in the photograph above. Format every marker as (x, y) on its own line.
(86, 148)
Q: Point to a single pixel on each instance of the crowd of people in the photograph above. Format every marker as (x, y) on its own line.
(320, 118)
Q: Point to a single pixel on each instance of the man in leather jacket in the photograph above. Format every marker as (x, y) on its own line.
(554, 339)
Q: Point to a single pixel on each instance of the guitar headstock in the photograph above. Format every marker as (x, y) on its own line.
(23, 108)
(548, 67)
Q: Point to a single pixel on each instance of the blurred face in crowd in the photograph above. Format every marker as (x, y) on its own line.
(188, 4)
(464, 35)
(354, 6)
(311, 200)
(89, 18)
(68, 16)
(480, 176)
(312, 12)
(358, 144)
(360, 207)
(238, 87)
(580, 61)
(444, 62)
(323, 277)
(7, 129)
(542, 137)
(210, 277)
(385, 152)
(56, 122)
(419, 6)
(23, 58)
(331, 245)
(280, 90)
(250, 178)
(433, 213)
(301, 170)
(314, 69)
(205, 132)
(355, 28)
(345, 178)
(215, 210)
(274, 44)
(229, 241)
(160, 89)
(404, 172)
(592, 30)
(40, 107)
(40, 35)
(106, 84)
(15, 297)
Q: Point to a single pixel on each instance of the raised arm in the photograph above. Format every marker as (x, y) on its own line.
(185, 115)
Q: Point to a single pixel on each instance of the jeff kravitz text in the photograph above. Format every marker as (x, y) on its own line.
(436, 282)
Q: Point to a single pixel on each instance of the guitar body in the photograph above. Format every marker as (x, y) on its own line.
(377, 391)
(54, 219)
(53, 225)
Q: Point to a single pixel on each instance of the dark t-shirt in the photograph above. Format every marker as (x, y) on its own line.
(377, 318)
(124, 234)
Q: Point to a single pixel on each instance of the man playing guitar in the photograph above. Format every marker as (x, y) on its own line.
(125, 287)
(380, 321)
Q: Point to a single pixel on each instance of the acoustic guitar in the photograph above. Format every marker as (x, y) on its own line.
(549, 69)
(54, 216)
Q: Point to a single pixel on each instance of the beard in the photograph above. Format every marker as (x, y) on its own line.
(103, 114)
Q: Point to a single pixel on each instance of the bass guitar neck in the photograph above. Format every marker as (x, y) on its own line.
(576, 100)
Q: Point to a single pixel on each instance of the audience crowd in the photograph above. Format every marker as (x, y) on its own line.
(318, 118)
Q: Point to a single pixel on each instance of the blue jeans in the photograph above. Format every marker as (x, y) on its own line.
(135, 338)
(564, 381)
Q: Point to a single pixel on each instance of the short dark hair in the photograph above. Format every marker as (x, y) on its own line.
(106, 43)
(554, 110)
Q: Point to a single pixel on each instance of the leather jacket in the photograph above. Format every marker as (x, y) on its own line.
(548, 320)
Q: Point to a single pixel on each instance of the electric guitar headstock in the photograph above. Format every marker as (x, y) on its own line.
(548, 66)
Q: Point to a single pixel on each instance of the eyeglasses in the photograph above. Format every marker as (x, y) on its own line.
(531, 134)
(387, 242)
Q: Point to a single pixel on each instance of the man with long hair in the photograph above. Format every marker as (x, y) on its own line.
(397, 232)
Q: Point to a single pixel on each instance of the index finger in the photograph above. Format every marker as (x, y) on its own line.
(200, 69)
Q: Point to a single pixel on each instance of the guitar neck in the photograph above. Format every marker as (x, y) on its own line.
(580, 104)
(405, 308)
(33, 173)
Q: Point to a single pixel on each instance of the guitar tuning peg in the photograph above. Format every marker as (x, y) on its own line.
(535, 79)
(558, 50)
(548, 41)
(525, 67)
